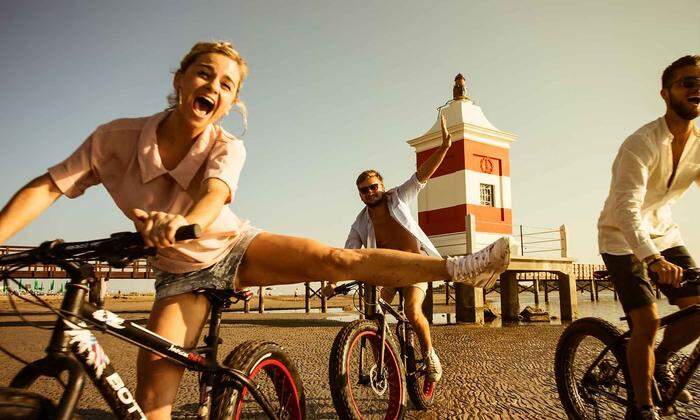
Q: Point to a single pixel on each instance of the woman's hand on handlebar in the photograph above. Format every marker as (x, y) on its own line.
(667, 272)
(158, 228)
(328, 290)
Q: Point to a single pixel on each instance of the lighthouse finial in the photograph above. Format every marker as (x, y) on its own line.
(459, 91)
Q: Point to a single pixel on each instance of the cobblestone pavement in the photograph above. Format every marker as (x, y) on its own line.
(489, 373)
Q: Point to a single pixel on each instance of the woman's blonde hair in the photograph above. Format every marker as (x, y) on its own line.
(217, 47)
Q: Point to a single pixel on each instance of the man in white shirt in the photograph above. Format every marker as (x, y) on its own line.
(386, 222)
(636, 234)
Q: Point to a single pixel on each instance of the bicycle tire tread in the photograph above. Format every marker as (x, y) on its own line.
(246, 355)
(339, 351)
(604, 331)
(26, 405)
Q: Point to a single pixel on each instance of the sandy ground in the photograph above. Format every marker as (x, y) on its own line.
(488, 372)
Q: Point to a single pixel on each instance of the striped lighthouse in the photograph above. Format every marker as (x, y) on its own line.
(467, 203)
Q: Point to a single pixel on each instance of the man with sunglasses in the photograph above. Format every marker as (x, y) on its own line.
(636, 234)
(386, 222)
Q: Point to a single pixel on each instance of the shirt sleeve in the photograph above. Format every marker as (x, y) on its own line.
(354, 241)
(225, 162)
(628, 189)
(408, 191)
(75, 174)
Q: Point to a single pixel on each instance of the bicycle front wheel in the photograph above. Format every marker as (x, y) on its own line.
(274, 375)
(16, 404)
(591, 371)
(360, 389)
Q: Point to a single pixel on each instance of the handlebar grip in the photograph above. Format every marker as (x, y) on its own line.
(184, 233)
(344, 289)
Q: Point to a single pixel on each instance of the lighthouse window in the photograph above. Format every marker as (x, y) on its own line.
(487, 195)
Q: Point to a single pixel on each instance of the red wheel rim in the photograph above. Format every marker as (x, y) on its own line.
(428, 389)
(394, 372)
(287, 392)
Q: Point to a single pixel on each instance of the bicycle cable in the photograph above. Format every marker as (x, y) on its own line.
(356, 305)
(14, 293)
(31, 324)
(61, 313)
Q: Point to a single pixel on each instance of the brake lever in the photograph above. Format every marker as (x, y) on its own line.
(122, 259)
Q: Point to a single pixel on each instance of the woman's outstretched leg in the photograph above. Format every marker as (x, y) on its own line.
(277, 259)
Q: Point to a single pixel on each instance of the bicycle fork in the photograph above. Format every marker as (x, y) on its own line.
(364, 375)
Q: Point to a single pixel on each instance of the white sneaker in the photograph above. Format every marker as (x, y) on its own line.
(482, 268)
(433, 367)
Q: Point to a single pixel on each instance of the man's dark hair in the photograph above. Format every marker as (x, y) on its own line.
(670, 72)
(369, 173)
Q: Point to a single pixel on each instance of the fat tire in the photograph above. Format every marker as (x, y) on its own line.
(245, 357)
(568, 343)
(414, 386)
(16, 404)
(337, 373)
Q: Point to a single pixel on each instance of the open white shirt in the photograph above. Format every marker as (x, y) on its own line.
(362, 230)
(636, 218)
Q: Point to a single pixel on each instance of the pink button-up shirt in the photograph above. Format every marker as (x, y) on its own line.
(123, 155)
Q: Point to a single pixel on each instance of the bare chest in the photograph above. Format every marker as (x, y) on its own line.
(391, 235)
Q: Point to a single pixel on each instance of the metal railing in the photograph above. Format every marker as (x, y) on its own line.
(541, 241)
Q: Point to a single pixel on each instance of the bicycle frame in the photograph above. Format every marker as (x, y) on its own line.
(401, 319)
(683, 373)
(75, 349)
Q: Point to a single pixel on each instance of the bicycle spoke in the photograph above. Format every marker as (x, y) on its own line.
(600, 381)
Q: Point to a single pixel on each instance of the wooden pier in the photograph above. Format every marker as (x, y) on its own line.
(524, 275)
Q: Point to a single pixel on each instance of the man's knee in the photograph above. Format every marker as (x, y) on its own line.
(414, 312)
(645, 322)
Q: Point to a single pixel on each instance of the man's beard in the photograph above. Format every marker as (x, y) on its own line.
(376, 203)
(681, 108)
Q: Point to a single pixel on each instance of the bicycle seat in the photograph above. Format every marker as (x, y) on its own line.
(219, 295)
(601, 274)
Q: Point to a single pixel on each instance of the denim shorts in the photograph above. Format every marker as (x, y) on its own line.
(222, 275)
(631, 279)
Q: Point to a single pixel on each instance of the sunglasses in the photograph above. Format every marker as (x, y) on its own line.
(689, 82)
(365, 190)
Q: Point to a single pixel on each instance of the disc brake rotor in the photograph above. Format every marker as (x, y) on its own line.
(378, 384)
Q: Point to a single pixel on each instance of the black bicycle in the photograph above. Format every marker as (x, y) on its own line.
(255, 376)
(591, 367)
(370, 373)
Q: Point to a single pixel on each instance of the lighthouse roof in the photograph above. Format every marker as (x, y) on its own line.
(464, 119)
(463, 111)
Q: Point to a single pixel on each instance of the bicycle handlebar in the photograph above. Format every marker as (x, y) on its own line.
(119, 248)
(691, 275)
(344, 289)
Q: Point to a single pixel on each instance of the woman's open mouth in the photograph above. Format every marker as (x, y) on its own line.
(694, 100)
(203, 106)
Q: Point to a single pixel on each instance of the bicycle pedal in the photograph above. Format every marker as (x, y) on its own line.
(668, 411)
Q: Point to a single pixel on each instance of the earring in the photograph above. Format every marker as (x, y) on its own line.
(243, 112)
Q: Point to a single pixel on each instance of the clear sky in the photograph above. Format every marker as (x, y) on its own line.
(339, 86)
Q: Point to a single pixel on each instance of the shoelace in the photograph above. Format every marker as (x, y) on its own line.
(474, 266)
